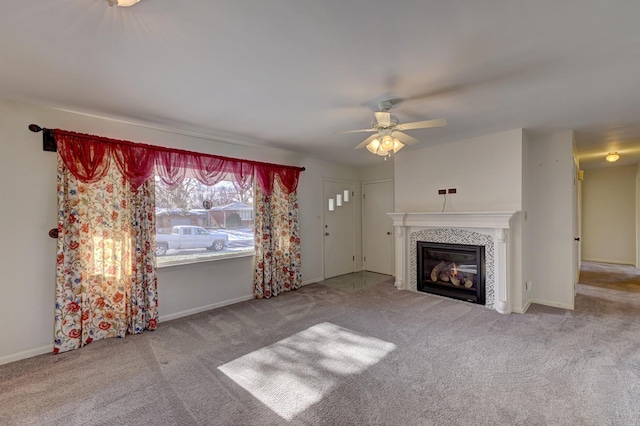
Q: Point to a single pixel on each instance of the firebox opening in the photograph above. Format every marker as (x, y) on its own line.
(452, 270)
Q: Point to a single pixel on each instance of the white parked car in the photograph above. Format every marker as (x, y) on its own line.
(190, 237)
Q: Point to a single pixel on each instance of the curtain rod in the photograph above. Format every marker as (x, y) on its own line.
(49, 144)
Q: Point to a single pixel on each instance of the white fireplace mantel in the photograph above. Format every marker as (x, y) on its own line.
(454, 219)
(495, 225)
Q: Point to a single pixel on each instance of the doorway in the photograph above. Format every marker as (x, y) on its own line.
(338, 227)
(577, 226)
(377, 226)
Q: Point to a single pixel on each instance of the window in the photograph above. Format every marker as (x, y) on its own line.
(188, 232)
(246, 214)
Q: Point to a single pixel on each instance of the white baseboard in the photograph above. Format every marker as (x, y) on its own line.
(313, 280)
(552, 304)
(47, 349)
(188, 312)
(615, 262)
(524, 309)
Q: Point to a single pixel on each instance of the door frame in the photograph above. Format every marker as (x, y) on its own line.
(362, 213)
(638, 218)
(576, 224)
(324, 202)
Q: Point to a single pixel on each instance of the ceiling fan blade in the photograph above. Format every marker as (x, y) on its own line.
(366, 141)
(404, 138)
(422, 124)
(383, 118)
(357, 131)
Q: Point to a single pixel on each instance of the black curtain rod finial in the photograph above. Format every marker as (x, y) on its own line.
(35, 128)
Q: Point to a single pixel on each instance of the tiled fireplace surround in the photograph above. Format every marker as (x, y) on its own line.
(488, 229)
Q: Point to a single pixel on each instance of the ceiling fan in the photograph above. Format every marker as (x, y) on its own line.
(389, 137)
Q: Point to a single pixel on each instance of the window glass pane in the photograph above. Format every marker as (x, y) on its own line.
(187, 232)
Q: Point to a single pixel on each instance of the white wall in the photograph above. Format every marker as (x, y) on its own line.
(527, 185)
(513, 170)
(609, 214)
(637, 264)
(487, 172)
(28, 196)
(27, 259)
(383, 170)
(311, 190)
(548, 228)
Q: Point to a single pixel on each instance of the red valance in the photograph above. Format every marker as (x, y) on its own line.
(89, 157)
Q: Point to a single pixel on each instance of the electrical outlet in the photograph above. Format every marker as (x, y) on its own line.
(442, 192)
(452, 190)
(527, 286)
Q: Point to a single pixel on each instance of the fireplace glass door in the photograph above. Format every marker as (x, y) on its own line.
(452, 270)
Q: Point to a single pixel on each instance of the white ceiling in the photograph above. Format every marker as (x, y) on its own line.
(291, 73)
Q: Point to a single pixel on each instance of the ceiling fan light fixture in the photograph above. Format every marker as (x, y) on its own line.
(612, 157)
(122, 3)
(373, 146)
(387, 143)
(397, 145)
(389, 136)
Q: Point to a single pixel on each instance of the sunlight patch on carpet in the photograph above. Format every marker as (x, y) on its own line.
(294, 373)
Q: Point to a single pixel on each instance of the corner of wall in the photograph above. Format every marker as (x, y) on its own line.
(526, 226)
(548, 218)
(516, 264)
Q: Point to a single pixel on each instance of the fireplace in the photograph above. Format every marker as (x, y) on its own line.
(452, 270)
(487, 229)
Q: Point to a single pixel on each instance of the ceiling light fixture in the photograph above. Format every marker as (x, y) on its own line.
(613, 156)
(384, 146)
(122, 3)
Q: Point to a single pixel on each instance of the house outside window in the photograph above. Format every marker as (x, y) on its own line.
(187, 232)
(246, 215)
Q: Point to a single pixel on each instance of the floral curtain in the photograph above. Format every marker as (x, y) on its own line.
(277, 241)
(106, 272)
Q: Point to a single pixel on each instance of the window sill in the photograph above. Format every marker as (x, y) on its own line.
(192, 262)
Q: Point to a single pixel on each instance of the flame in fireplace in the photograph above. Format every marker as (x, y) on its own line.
(454, 270)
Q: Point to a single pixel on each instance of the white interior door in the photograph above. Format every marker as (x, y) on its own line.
(338, 229)
(377, 227)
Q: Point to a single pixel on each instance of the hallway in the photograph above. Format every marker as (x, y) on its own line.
(611, 276)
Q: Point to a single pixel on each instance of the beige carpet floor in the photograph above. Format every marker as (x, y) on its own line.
(367, 356)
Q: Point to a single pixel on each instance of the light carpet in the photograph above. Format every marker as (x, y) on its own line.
(373, 356)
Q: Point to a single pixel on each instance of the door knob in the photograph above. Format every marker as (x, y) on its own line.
(326, 233)
(388, 233)
(576, 239)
